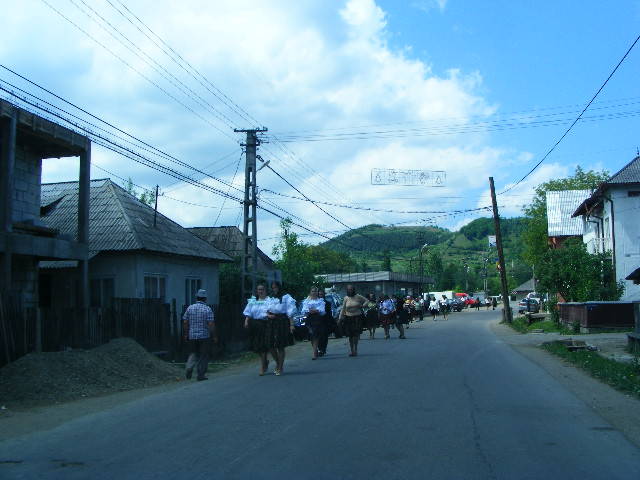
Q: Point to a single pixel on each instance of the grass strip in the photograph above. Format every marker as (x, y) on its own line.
(622, 376)
(519, 324)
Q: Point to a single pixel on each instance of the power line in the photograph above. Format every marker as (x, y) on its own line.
(576, 120)
(127, 64)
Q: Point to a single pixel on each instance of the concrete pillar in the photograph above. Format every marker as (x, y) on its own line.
(83, 232)
(7, 163)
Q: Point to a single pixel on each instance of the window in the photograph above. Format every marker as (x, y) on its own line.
(191, 287)
(634, 193)
(155, 286)
(101, 291)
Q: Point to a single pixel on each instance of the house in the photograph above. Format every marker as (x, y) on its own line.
(610, 218)
(230, 241)
(133, 252)
(378, 283)
(560, 223)
(25, 240)
(523, 290)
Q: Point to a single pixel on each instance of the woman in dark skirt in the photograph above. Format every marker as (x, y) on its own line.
(387, 314)
(351, 317)
(282, 307)
(371, 317)
(260, 326)
(330, 325)
(314, 308)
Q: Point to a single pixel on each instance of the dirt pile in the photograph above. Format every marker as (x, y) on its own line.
(55, 377)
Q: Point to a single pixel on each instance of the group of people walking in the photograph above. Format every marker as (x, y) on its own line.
(269, 320)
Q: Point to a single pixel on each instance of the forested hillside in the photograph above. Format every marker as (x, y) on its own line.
(453, 259)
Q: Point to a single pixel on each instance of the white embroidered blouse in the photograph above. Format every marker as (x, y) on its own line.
(257, 309)
(317, 304)
(286, 305)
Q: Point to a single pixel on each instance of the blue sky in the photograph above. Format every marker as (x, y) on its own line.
(432, 73)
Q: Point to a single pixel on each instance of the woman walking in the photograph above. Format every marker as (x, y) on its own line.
(330, 325)
(259, 322)
(371, 316)
(283, 307)
(387, 314)
(314, 308)
(351, 317)
(444, 307)
(434, 308)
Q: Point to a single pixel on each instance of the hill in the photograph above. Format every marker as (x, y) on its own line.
(454, 259)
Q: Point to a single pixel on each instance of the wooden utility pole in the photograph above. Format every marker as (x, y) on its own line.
(249, 231)
(506, 312)
(155, 209)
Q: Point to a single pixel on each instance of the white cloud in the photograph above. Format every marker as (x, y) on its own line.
(428, 5)
(295, 66)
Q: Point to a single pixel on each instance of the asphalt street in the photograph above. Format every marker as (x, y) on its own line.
(452, 401)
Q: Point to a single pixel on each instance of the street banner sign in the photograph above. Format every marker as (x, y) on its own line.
(492, 240)
(422, 178)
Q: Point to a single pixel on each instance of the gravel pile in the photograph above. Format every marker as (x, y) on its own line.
(56, 377)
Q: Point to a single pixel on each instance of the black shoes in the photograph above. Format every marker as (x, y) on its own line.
(188, 374)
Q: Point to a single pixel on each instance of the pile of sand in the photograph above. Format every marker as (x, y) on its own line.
(55, 377)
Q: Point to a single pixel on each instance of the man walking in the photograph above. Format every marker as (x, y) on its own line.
(198, 327)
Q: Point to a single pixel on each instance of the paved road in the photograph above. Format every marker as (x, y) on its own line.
(450, 402)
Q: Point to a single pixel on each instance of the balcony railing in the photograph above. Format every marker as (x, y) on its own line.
(599, 245)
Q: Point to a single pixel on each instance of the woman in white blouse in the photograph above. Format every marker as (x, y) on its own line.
(283, 306)
(314, 308)
(259, 322)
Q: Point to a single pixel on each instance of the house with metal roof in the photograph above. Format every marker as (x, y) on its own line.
(611, 221)
(229, 239)
(134, 251)
(560, 222)
(25, 240)
(378, 283)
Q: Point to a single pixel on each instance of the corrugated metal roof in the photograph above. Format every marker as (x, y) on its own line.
(383, 276)
(630, 173)
(118, 221)
(229, 239)
(560, 208)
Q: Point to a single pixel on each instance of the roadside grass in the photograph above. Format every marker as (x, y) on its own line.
(519, 324)
(622, 376)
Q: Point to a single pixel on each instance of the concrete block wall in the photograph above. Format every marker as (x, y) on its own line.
(26, 191)
(24, 273)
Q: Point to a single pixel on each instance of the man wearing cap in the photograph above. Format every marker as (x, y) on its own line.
(198, 328)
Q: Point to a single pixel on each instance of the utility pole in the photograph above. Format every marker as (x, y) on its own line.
(155, 209)
(249, 231)
(506, 312)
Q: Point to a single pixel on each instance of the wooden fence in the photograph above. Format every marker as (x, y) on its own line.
(156, 326)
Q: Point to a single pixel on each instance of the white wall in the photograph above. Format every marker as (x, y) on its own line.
(129, 270)
(626, 213)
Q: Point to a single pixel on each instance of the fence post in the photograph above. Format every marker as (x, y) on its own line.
(38, 330)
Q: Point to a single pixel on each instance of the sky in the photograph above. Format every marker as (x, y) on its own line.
(474, 89)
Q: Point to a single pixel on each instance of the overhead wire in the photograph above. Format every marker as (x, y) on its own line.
(562, 137)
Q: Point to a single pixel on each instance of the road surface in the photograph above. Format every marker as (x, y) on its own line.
(452, 401)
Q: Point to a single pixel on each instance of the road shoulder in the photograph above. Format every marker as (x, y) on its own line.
(615, 407)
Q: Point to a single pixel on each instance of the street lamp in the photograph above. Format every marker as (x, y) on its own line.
(422, 267)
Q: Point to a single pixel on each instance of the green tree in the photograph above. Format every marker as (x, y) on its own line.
(230, 281)
(295, 261)
(146, 196)
(386, 261)
(578, 275)
(534, 237)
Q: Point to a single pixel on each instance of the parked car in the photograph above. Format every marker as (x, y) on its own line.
(455, 304)
(529, 305)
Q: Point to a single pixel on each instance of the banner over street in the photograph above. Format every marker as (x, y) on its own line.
(424, 178)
